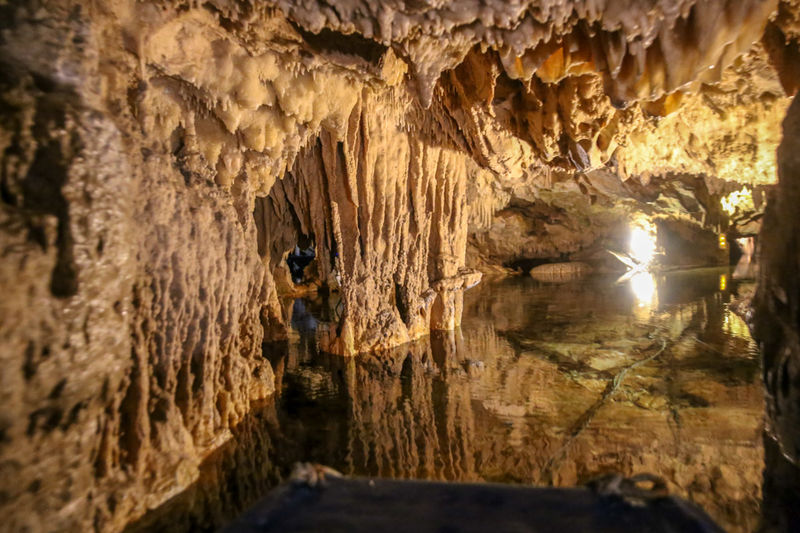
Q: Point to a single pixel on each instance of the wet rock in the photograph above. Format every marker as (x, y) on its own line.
(555, 272)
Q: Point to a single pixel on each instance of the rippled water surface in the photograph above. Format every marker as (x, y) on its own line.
(549, 384)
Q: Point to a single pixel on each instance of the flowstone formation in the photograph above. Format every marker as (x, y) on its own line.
(387, 211)
(161, 159)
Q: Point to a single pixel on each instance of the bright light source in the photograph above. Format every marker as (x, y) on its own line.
(742, 200)
(643, 243)
(643, 285)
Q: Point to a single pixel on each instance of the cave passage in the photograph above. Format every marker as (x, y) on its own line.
(520, 394)
(298, 260)
(522, 242)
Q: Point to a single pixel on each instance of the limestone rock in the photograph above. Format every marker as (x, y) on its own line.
(160, 158)
(556, 272)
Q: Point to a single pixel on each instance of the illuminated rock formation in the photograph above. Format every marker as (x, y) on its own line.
(159, 159)
(387, 211)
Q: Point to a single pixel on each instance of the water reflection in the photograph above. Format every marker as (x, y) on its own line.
(521, 393)
(643, 285)
(544, 383)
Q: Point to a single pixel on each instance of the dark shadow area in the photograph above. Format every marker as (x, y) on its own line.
(298, 260)
(525, 264)
(432, 507)
(327, 41)
(781, 481)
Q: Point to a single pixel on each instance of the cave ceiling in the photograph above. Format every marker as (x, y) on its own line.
(589, 110)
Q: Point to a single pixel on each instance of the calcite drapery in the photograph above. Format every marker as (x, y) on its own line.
(643, 49)
(386, 208)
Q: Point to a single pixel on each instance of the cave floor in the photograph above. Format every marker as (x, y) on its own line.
(546, 384)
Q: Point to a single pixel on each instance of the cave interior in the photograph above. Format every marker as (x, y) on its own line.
(526, 242)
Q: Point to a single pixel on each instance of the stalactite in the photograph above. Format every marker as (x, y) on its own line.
(387, 213)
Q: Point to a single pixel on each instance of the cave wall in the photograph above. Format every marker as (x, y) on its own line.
(775, 326)
(130, 318)
(776, 300)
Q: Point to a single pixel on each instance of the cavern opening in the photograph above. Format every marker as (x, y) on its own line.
(297, 260)
(429, 266)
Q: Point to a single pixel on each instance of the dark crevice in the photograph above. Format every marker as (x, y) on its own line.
(130, 441)
(524, 264)
(328, 41)
(400, 303)
(42, 189)
(299, 259)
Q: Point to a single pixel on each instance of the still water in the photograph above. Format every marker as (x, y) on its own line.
(547, 384)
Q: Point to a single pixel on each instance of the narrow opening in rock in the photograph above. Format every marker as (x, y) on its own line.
(298, 259)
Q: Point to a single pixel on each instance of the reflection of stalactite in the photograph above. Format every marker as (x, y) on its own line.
(408, 420)
(470, 405)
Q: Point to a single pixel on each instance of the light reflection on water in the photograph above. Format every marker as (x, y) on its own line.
(522, 393)
(643, 285)
(515, 394)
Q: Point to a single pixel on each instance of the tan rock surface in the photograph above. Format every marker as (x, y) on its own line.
(160, 158)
